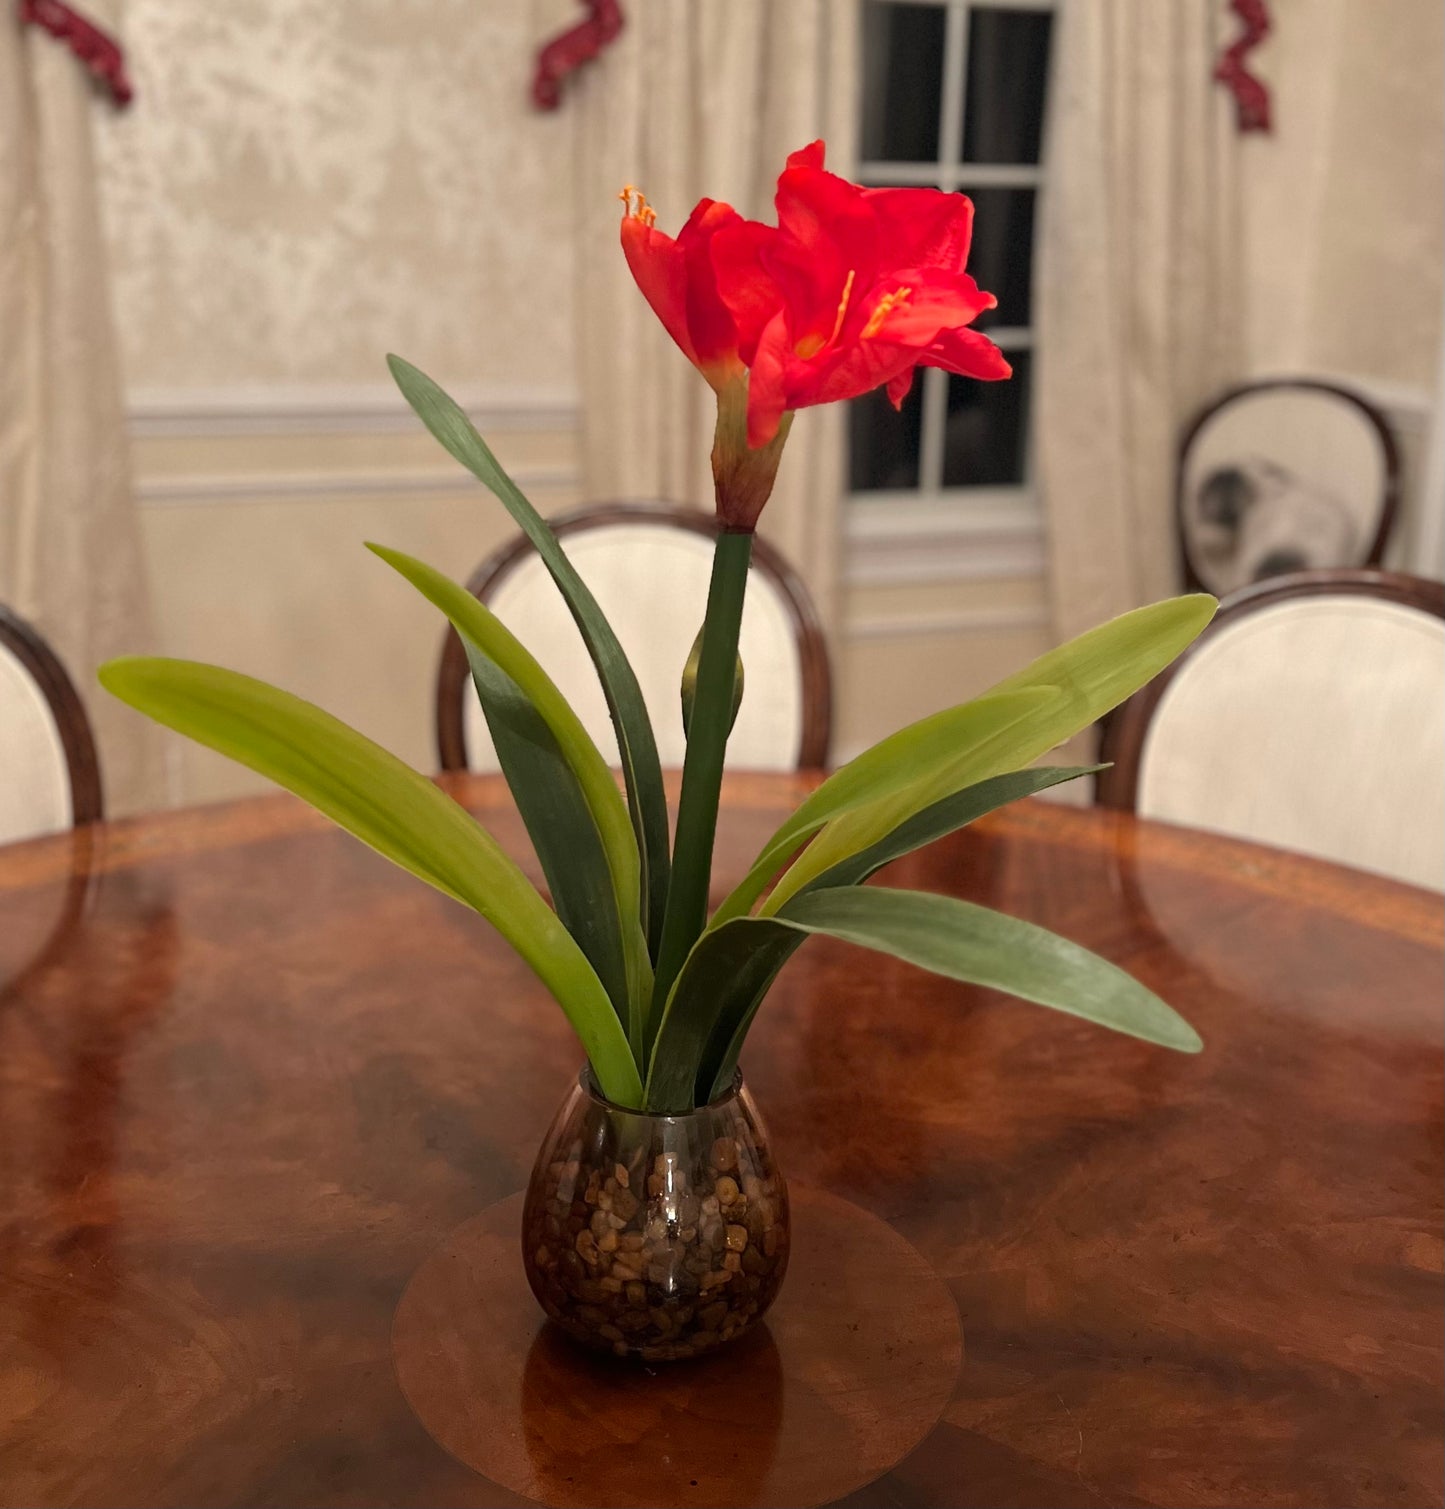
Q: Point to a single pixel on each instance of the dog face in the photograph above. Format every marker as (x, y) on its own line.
(1225, 496)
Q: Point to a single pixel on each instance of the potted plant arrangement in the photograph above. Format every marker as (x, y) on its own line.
(656, 1222)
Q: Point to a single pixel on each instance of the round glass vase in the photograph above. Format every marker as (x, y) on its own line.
(655, 1237)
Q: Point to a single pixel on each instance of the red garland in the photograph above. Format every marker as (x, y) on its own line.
(100, 53)
(570, 49)
(1251, 98)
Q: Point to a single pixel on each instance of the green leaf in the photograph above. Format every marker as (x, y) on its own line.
(894, 764)
(484, 631)
(554, 809)
(714, 998)
(947, 816)
(962, 941)
(387, 805)
(636, 744)
(733, 1007)
(1087, 676)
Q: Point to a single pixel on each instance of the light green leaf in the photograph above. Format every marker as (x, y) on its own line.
(892, 765)
(1087, 676)
(962, 941)
(483, 630)
(636, 743)
(387, 805)
(947, 816)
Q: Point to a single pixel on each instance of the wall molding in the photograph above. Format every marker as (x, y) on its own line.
(262, 412)
(335, 486)
(955, 621)
(332, 409)
(975, 534)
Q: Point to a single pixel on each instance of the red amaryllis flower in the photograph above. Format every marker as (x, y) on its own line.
(852, 290)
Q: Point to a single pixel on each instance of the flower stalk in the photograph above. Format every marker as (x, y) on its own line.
(702, 768)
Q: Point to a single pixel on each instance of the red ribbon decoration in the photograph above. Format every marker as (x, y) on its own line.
(99, 52)
(570, 49)
(1251, 97)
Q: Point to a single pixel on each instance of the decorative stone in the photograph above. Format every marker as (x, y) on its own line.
(672, 1273)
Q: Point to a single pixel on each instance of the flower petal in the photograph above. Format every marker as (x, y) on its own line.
(848, 372)
(766, 396)
(829, 224)
(660, 270)
(898, 387)
(810, 156)
(935, 302)
(925, 227)
(969, 354)
(743, 283)
(710, 326)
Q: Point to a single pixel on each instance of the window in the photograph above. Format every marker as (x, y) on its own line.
(953, 98)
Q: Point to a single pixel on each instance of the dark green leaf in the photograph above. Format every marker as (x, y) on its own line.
(971, 943)
(719, 987)
(482, 629)
(554, 809)
(635, 741)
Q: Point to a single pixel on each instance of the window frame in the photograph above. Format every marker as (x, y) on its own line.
(931, 513)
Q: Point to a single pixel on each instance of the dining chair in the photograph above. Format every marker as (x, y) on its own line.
(49, 773)
(1289, 474)
(1309, 716)
(648, 564)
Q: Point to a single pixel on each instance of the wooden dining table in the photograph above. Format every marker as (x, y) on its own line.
(252, 1078)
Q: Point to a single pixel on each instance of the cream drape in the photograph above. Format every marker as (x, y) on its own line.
(70, 554)
(702, 97)
(1137, 289)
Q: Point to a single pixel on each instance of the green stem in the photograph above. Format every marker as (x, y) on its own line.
(702, 768)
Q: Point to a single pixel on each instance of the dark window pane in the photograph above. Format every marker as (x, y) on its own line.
(1003, 104)
(902, 81)
(1001, 259)
(987, 429)
(883, 442)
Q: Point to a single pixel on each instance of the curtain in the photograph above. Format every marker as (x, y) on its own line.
(702, 97)
(1137, 288)
(70, 555)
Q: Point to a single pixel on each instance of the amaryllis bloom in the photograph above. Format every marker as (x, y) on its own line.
(852, 290)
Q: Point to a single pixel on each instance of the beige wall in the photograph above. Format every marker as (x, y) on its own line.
(1345, 219)
(255, 544)
(304, 185)
(1345, 202)
(300, 188)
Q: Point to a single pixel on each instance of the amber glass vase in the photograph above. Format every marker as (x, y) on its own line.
(655, 1237)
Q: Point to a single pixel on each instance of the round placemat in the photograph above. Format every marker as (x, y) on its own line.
(849, 1372)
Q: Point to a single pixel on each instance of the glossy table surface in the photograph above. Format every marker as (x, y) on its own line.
(251, 1077)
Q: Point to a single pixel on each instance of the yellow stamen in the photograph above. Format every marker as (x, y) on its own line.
(842, 307)
(641, 210)
(883, 308)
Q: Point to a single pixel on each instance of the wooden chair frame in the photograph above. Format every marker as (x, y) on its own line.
(76, 739)
(817, 711)
(1390, 496)
(1127, 726)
